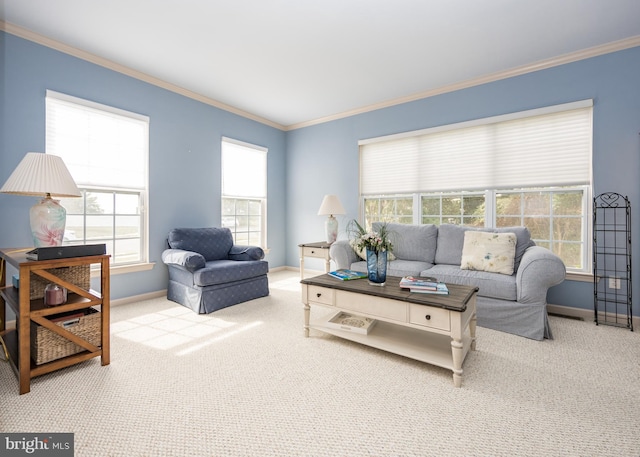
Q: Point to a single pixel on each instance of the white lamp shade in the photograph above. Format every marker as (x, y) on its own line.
(331, 205)
(39, 175)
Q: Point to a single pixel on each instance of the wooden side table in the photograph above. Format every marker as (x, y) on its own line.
(30, 311)
(318, 250)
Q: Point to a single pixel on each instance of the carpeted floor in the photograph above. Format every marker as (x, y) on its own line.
(245, 382)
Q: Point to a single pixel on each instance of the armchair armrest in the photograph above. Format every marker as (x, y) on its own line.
(539, 270)
(189, 260)
(246, 253)
(343, 254)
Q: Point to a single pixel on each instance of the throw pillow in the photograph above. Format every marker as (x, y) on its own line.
(487, 251)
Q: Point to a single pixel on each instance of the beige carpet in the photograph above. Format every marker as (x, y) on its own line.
(244, 382)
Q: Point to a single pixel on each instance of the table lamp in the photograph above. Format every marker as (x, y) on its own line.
(43, 175)
(331, 205)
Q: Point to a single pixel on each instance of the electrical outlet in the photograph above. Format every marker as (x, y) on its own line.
(614, 283)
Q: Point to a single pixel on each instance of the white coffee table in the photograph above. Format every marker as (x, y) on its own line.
(435, 329)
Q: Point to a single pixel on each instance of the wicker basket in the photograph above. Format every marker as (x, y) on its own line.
(47, 345)
(79, 275)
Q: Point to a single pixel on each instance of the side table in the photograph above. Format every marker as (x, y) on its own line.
(318, 250)
(32, 311)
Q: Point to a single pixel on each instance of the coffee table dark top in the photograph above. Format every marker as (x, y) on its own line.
(456, 300)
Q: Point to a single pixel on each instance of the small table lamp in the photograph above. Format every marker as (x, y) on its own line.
(43, 175)
(330, 206)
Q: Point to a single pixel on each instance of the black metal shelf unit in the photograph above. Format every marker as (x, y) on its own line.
(612, 260)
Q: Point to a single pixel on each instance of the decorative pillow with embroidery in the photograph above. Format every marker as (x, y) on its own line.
(488, 251)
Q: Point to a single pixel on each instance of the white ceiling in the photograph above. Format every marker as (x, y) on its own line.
(295, 62)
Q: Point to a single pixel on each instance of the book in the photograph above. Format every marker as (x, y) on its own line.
(65, 252)
(411, 282)
(347, 275)
(441, 289)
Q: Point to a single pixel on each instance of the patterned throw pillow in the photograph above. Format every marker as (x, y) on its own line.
(487, 251)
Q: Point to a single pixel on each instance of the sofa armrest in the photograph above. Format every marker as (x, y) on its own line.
(343, 254)
(189, 260)
(539, 270)
(246, 253)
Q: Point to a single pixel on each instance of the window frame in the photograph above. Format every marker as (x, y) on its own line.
(142, 192)
(244, 199)
(491, 216)
(449, 160)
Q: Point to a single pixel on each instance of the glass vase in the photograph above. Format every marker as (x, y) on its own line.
(377, 267)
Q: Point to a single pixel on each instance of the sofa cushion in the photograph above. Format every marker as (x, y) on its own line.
(491, 285)
(224, 271)
(412, 242)
(213, 243)
(451, 242)
(397, 267)
(488, 251)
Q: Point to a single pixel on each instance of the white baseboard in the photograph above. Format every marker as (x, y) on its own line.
(141, 297)
(585, 314)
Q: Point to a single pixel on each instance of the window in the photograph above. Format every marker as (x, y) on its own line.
(106, 151)
(244, 192)
(531, 168)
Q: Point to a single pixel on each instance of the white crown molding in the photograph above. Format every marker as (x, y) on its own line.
(79, 53)
(517, 71)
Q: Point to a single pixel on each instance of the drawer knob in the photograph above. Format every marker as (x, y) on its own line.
(428, 317)
(318, 295)
(313, 252)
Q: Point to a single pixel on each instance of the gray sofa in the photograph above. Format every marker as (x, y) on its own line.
(510, 303)
(208, 272)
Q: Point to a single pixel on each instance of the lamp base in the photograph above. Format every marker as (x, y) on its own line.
(48, 219)
(331, 228)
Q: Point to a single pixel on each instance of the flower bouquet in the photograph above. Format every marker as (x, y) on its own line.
(373, 246)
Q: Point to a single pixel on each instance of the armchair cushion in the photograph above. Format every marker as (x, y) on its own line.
(214, 243)
(228, 271)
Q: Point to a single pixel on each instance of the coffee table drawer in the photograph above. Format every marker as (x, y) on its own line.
(320, 295)
(429, 317)
(371, 305)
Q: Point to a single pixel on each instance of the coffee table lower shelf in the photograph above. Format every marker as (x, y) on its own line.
(427, 347)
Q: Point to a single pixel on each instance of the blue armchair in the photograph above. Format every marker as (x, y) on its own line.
(207, 272)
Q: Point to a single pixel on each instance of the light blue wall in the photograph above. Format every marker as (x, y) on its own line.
(303, 164)
(324, 158)
(184, 149)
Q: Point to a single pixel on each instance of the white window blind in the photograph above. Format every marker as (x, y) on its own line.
(102, 146)
(244, 170)
(538, 148)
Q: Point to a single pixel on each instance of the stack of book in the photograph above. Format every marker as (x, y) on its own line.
(424, 285)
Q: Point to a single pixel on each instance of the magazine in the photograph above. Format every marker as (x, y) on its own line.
(412, 282)
(345, 275)
(424, 285)
(441, 289)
